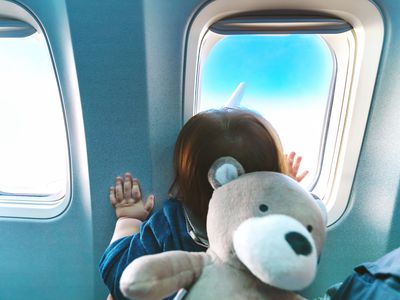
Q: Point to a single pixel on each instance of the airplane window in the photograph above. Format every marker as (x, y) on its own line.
(311, 73)
(286, 78)
(33, 156)
(293, 72)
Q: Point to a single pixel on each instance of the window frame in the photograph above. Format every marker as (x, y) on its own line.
(368, 30)
(37, 205)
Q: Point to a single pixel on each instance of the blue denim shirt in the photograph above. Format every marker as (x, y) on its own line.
(373, 280)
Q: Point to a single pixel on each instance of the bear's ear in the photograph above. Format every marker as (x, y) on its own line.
(224, 170)
(322, 208)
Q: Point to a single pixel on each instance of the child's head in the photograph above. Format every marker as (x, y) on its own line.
(209, 135)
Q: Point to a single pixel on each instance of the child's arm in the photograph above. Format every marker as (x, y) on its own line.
(293, 164)
(130, 210)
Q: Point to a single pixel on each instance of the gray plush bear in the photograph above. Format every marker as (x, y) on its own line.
(265, 234)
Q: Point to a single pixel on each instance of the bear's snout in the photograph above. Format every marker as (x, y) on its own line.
(259, 241)
(298, 243)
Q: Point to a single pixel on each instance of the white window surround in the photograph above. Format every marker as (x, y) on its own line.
(32, 205)
(368, 30)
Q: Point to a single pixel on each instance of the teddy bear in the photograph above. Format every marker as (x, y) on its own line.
(265, 238)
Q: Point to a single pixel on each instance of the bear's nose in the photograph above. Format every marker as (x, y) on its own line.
(298, 242)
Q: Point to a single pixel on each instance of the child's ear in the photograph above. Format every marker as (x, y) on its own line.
(224, 170)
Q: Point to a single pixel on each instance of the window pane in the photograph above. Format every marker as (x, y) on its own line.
(33, 154)
(287, 80)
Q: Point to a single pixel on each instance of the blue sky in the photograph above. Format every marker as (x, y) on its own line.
(279, 67)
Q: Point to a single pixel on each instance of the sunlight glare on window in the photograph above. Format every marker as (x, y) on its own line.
(33, 156)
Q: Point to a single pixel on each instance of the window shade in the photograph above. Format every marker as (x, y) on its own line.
(15, 28)
(280, 24)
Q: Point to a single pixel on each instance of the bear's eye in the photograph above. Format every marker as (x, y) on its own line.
(309, 228)
(263, 208)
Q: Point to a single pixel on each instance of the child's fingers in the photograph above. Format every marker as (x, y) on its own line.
(301, 176)
(119, 194)
(113, 200)
(291, 157)
(136, 194)
(149, 205)
(289, 161)
(127, 186)
(296, 164)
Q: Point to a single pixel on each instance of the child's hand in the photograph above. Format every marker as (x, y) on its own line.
(293, 164)
(126, 198)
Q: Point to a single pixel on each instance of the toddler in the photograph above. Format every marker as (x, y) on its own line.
(180, 224)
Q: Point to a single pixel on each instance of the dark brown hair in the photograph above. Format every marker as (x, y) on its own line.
(209, 135)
